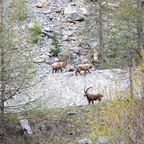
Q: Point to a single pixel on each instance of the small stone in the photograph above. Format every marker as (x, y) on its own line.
(66, 38)
(47, 12)
(42, 127)
(72, 112)
(68, 74)
(77, 50)
(68, 33)
(50, 41)
(48, 29)
(79, 43)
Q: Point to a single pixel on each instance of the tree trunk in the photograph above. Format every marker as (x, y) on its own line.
(100, 26)
(130, 73)
(2, 86)
(140, 29)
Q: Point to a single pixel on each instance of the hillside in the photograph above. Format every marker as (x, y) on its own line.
(64, 89)
(44, 45)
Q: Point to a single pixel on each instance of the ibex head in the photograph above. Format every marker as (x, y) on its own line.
(86, 91)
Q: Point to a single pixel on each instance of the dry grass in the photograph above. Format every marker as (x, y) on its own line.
(60, 127)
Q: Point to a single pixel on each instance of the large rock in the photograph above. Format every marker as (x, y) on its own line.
(84, 11)
(25, 126)
(84, 141)
(74, 13)
(41, 3)
(102, 140)
(77, 16)
(72, 112)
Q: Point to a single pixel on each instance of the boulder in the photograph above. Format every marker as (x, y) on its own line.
(41, 3)
(102, 140)
(77, 50)
(77, 16)
(85, 141)
(84, 11)
(72, 112)
(74, 13)
(69, 10)
(25, 126)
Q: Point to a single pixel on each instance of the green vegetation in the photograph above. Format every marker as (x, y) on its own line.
(121, 118)
(61, 128)
(35, 31)
(118, 120)
(55, 51)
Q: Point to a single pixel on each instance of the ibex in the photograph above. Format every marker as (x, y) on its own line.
(59, 65)
(83, 67)
(92, 96)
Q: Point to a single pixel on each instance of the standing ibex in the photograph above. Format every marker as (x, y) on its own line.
(92, 96)
(83, 67)
(59, 65)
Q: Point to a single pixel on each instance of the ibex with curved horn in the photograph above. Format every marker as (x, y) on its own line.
(59, 65)
(92, 96)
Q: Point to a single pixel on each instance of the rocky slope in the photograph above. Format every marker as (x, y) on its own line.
(62, 18)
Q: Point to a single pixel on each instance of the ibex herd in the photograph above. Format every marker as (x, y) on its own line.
(91, 97)
(59, 65)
